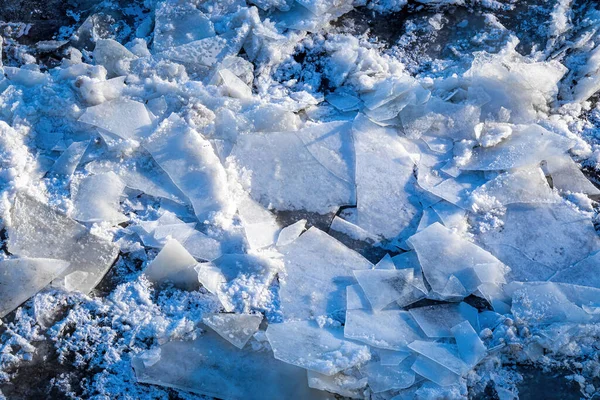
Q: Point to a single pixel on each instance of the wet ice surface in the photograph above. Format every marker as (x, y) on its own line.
(300, 198)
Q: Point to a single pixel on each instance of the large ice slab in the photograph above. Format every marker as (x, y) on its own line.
(174, 264)
(317, 270)
(213, 367)
(21, 278)
(528, 145)
(453, 266)
(286, 176)
(190, 161)
(127, 119)
(235, 328)
(97, 199)
(438, 320)
(38, 231)
(387, 329)
(386, 202)
(538, 240)
(323, 350)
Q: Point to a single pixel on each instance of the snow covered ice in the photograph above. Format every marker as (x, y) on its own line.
(312, 199)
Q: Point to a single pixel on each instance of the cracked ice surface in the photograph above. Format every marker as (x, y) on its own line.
(277, 199)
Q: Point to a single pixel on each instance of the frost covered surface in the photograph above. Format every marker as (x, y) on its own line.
(376, 199)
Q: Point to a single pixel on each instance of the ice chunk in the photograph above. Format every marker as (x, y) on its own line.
(38, 231)
(456, 190)
(527, 185)
(434, 372)
(548, 302)
(382, 378)
(489, 134)
(444, 255)
(177, 24)
(384, 181)
(21, 278)
(356, 299)
(323, 350)
(352, 231)
(342, 384)
(127, 119)
(584, 273)
(383, 286)
(232, 85)
(291, 233)
(113, 56)
(192, 164)
(97, 199)
(173, 263)
(68, 161)
(567, 176)
(385, 263)
(343, 101)
(444, 354)
(210, 366)
(438, 320)
(286, 176)
(490, 319)
(387, 329)
(259, 224)
(318, 269)
(391, 357)
(528, 145)
(470, 347)
(235, 328)
(453, 217)
(538, 240)
(331, 144)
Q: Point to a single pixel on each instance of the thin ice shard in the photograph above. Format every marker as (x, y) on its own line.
(356, 299)
(21, 278)
(173, 263)
(323, 350)
(383, 286)
(192, 164)
(97, 199)
(212, 367)
(291, 233)
(127, 119)
(388, 329)
(434, 372)
(235, 328)
(382, 378)
(447, 260)
(384, 181)
(470, 347)
(442, 353)
(438, 320)
(567, 176)
(38, 231)
(286, 176)
(307, 290)
(259, 224)
(68, 161)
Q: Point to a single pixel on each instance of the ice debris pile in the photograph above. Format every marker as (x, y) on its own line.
(389, 236)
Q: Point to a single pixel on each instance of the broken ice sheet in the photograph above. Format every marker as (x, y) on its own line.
(113, 56)
(528, 145)
(456, 190)
(382, 378)
(291, 233)
(213, 367)
(470, 347)
(438, 320)
(177, 24)
(36, 230)
(127, 119)
(21, 278)
(66, 164)
(567, 176)
(235, 328)
(191, 163)
(448, 259)
(392, 357)
(548, 302)
(538, 240)
(385, 183)
(386, 329)
(584, 273)
(317, 270)
(444, 354)
(323, 350)
(342, 384)
(286, 176)
(526, 185)
(384, 286)
(173, 263)
(434, 372)
(97, 199)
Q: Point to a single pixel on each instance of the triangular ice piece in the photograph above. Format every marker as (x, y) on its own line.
(237, 329)
(127, 119)
(173, 263)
